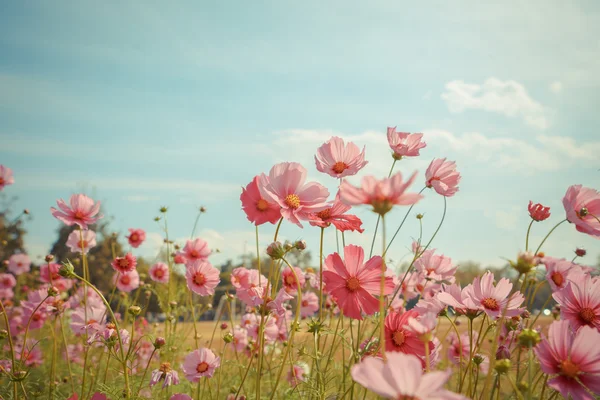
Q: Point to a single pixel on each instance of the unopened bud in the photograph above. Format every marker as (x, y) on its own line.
(529, 338)
(148, 293)
(478, 359)
(502, 353)
(275, 251)
(202, 209)
(300, 245)
(3, 333)
(419, 216)
(503, 366)
(580, 252)
(67, 270)
(173, 304)
(49, 258)
(523, 386)
(52, 291)
(159, 342)
(163, 209)
(135, 310)
(156, 219)
(228, 337)
(287, 246)
(224, 325)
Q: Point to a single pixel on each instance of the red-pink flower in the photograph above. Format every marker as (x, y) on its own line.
(74, 240)
(335, 215)
(441, 175)
(258, 209)
(136, 237)
(381, 195)
(202, 278)
(538, 212)
(159, 272)
(7, 281)
(400, 337)
(200, 363)
(6, 177)
(289, 280)
(310, 304)
(572, 358)
(338, 159)
(354, 284)
(19, 264)
(402, 377)
(580, 302)
(297, 199)
(124, 264)
(127, 281)
(195, 251)
(404, 144)
(583, 209)
(493, 300)
(82, 211)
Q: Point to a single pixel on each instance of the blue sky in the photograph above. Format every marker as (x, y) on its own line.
(146, 104)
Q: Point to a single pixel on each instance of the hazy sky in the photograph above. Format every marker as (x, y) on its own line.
(148, 103)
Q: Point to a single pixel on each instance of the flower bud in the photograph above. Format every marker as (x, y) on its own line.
(202, 209)
(173, 304)
(228, 337)
(287, 246)
(134, 310)
(419, 216)
(525, 262)
(148, 293)
(502, 353)
(275, 251)
(26, 211)
(49, 258)
(224, 325)
(156, 219)
(580, 252)
(529, 338)
(163, 209)
(159, 342)
(503, 366)
(478, 359)
(67, 270)
(3, 333)
(52, 291)
(300, 244)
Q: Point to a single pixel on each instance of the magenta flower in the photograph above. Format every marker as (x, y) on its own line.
(299, 373)
(493, 300)
(257, 208)
(6, 177)
(580, 302)
(381, 195)
(7, 281)
(180, 396)
(400, 337)
(353, 284)
(124, 264)
(19, 264)
(195, 251)
(441, 175)
(402, 377)
(199, 363)
(583, 209)
(538, 212)
(290, 283)
(335, 215)
(136, 237)
(573, 358)
(202, 278)
(286, 186)
(404, 144)
(165, 373)
(82, 211)
(436, 266)
(338, 159)
(74, 241)
(159, 272)
(127, 281)
(559, 272)
(310, 304)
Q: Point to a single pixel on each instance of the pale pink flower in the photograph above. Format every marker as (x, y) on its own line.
(124, 264)
(127, 281)
(354, 284)
(136, 237)
(441, 175)
(159, 272)
(286, 186)
(82, 211)
(258, 209)
(382, 195)
(459, 346)
(250, 285)
(572, 359)
(435, 266)
(49, 272)
(195, 251)
(165, 373)
(580, 302)
(31, 356)
(433, 305)
(109, 337)
(559, 272)
(493, 300)
(278, 305)
(457, 298)
(404, 144)
(240, 278)
(310, 304)
(202, 278)
(96, 319)
(199, 363)
(19, 264)
(240, 338)
(582, 205)
(402, 377)
(335, 215)
(270, 329)
(7, 281)
(35, 318)
(74, 241)
(298, 373)
(423, 324)
(339, 159)
(291, 281)
(399, 336)
(6, 177)
(6, 293)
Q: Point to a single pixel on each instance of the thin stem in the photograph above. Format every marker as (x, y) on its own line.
(64, 337)
(12, 349)
(321, 276)
(527, 236)
(548, 235)
(382, 294)
(402, 222)
(145, 371)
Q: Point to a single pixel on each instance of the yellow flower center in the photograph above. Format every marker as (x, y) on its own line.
(569, 369)
(398, 338)
(292, 201)
(262, 205)
(490, 304)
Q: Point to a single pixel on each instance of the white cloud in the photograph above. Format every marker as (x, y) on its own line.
(556, 87)
(509, 98)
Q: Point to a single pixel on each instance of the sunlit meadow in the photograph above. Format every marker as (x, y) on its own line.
(95, 320)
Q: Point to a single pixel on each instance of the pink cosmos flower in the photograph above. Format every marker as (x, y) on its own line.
(240, 338)
(165, 373)
(436, 266)
(278, 306)
(299, 373)
(7, 281)
(199, 363)
(49, 272)
(127, 281)
(353, 284)
(493, 300)
(538, 212)
(195, 251)
(335, 215)
(399, 337)
(124, 264)
(240, 278)
(96, 319)
(582, 205)
(179, 259)
(31, 356)
(290, 283)
(180, 396)
(270, 329)
(258, 209)
(404, 144)
(402, 377)
(559, 272)
(580, 302)
(459, 347)
(433, 305)
(441, 175)
(6, 177)
(381, 195)
(6, 294)
(19, 264)
(82, 212)
(159, 272)
(310, 304)
(338, 159)
(285, 186)
(458, 298)
(573, 358)
(136, 237)
(36, 317)
(74, 241)
(202, 278)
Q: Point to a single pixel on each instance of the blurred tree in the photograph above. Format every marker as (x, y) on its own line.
(11, 229)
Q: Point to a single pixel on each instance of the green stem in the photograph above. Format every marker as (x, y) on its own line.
(527, 236)
(145, 372)
(402, 222)
(12, 349)
(382, 294)
(548, 235)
